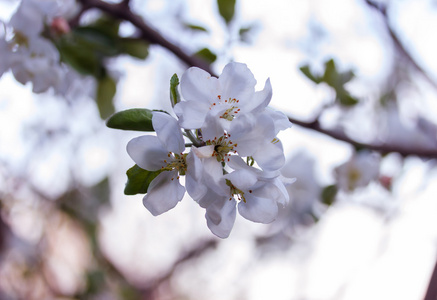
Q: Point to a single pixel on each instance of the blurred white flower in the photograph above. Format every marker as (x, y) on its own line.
(358, 171)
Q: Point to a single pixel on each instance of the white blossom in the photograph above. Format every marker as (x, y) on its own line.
(162, 152)
(358, 171)
(256, 195)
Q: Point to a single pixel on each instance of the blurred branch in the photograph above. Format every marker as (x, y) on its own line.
(123, 12)
(431, 293)
(195, 252)
(383, 148)
(382, 9)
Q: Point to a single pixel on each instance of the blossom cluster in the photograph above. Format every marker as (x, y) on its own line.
(30, 56)
(233, 159)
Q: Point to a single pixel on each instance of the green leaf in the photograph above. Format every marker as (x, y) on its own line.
(106, 89)
(96, 40)
(307, 72)
(347, 76)
(81, 58)
(206, 55)
(174, 93)
(139, 119)
(244, 33)
(196, 27)
(107, 25)
(134, 47)
(138, 180)
(331, 76)
(346, 99)
(226, 9)
(328, 194)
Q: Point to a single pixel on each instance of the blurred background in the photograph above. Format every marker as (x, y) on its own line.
(360, 224)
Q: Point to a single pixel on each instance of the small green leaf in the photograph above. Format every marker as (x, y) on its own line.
(226, 9)
(307, 72)
(244, 34)
(174, 93)
(139, 119)
(196, 27)
(346, 99)
(347, 76)
(134, 47)
(328, 194)
(105, 94)
(138, 180)
(206, 55)
(331, 76)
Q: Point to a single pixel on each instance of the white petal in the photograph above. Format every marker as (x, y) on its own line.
(191, 114)
(194, 176)
(198, 85)
(237, 81)
(260, 99)
(163, 193)
(258, 207)
(147, 152)
(211, 128)
(220, 216)
(282, 196)
(281, 121)
(213, 176)
(168, 132)
(203, 152)
(242, 179)
(270, 156)
(263, 131)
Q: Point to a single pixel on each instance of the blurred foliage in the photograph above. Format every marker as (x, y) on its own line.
(226, 9)
(106, 89)
(334, 79)
(195, 27)
(328, 194)
(86, 49)
(207, 55)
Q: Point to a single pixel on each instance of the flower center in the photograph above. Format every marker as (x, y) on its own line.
(235, 192)
(176, 162)
(231, 112)
(222, 146)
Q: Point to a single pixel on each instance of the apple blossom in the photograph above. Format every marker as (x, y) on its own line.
(358, 171)
(161, 153)
(235, 158)
(257, 197)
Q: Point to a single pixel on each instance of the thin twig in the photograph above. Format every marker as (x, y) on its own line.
(383, 148)
(431, 293)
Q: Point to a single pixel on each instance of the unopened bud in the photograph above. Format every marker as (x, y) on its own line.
(60, 26)
(386, 181)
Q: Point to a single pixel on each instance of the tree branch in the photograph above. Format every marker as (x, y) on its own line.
(383, 148)
(382, 9)
(431, 293)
